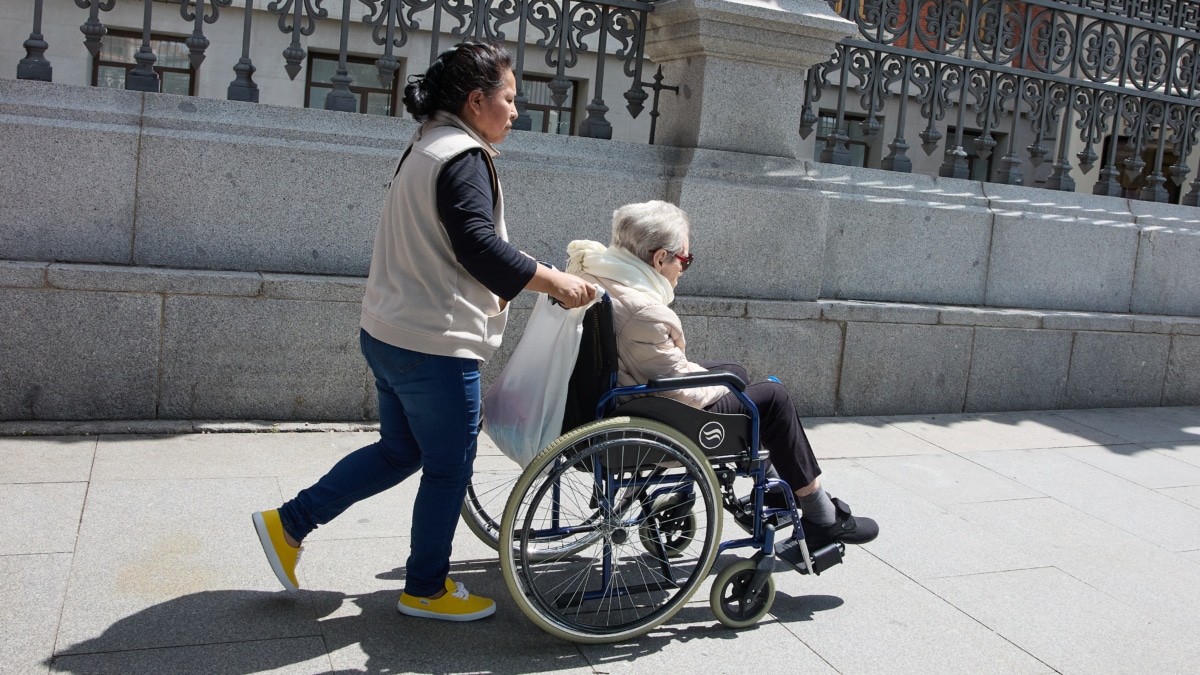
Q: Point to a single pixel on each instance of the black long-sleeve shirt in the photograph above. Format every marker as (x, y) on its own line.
(465, 203)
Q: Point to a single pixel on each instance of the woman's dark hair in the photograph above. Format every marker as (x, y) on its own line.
(454, 75)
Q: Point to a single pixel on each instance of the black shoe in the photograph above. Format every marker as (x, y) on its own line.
(846, 529)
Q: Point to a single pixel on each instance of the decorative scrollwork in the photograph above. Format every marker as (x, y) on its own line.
(102, 5)
(304, 15)
(1147, 66)
(210, 17)
(306, 11)
(388, 22)
(587, 18)
(1106, 71)
(1101, 52)
(504, 12)
(93, 30)
(197, 43)
(544, 15)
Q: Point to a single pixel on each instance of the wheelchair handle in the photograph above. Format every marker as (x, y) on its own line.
(712, 377)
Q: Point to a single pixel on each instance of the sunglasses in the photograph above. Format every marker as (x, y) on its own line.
(685, 259)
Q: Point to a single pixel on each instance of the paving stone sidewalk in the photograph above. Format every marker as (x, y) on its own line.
(1028, 542)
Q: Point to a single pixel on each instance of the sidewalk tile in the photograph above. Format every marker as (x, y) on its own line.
(175, 563)
(1138, 465)
(866, 617)
(693, 641)
(59, 459)
(947, 479)
(1155, 580)
(374, 637)
(295, 656)
(1150, 516)
(223, 455)
(917, 537)
(32, 598)
(1070, 625)
(1001, 431)
(1187, 452)
(40, 517)
(832, 438)
(1187, 495)
(1142, 425)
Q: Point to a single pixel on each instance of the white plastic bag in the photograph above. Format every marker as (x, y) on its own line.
(523, 409)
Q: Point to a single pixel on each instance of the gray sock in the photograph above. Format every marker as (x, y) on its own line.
(818, 508)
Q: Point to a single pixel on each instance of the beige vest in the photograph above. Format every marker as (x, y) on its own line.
(418, 297)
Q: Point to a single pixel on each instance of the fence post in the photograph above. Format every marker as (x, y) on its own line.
(741, 67)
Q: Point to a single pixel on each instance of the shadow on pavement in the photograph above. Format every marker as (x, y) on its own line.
(236, 632)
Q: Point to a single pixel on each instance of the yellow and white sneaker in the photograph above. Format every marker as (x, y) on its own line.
(280, 554)
(456, 605)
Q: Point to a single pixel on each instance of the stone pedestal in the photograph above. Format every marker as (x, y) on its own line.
(740, 66)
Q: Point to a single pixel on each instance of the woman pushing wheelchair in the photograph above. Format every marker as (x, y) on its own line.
(639, 270)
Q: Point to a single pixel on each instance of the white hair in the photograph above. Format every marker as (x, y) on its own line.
(647, 227)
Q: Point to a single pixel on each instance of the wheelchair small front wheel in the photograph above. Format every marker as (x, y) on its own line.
(728, 600)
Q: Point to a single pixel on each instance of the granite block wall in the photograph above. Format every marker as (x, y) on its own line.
(119, 342)
(174, 257)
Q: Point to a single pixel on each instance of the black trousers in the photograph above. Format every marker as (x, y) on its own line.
(780, 431)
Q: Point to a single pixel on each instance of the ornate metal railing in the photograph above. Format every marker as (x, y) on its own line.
(561, 29)
(1048, 72)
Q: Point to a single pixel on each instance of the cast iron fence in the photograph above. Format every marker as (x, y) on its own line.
(564, 29)
(1107, 73)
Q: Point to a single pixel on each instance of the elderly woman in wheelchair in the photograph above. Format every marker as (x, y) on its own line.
(613, 526)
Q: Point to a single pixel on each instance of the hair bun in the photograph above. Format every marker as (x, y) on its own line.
(420, 97)
(453, 75)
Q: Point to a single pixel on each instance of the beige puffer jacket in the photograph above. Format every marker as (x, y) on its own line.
(650, 343)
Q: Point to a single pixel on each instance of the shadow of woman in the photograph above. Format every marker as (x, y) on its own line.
(235, 632)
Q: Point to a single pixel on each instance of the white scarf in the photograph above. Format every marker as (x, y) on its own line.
(618, 264)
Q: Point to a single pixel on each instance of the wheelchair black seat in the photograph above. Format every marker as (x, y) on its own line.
(722, 437)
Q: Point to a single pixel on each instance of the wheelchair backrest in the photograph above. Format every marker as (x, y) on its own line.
(595, 369)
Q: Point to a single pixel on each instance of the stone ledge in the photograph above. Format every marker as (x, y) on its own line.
(990, 318)
(18, 274)
(778, 309)
(709, 306)
(21, 274)
(153, 280)
(878, 312)
(1088, 321)
(311, 287)
(160, 427)
(55, 102)
(1020, 198)
(1168, 215)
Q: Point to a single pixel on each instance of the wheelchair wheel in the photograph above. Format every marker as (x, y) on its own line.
(670, 528)
(487, 493)
(726, 597)
(483, 507)
(589, 494)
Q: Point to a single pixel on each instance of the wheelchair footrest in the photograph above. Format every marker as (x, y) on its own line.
(743, 514)
(823, 558)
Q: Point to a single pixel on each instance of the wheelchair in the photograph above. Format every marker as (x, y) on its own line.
(612, 528)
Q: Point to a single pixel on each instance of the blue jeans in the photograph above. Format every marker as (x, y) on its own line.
(428, 419)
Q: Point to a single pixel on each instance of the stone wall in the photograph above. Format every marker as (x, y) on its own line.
(182, 258)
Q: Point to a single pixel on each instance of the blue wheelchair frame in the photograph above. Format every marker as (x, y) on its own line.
(762, 532)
